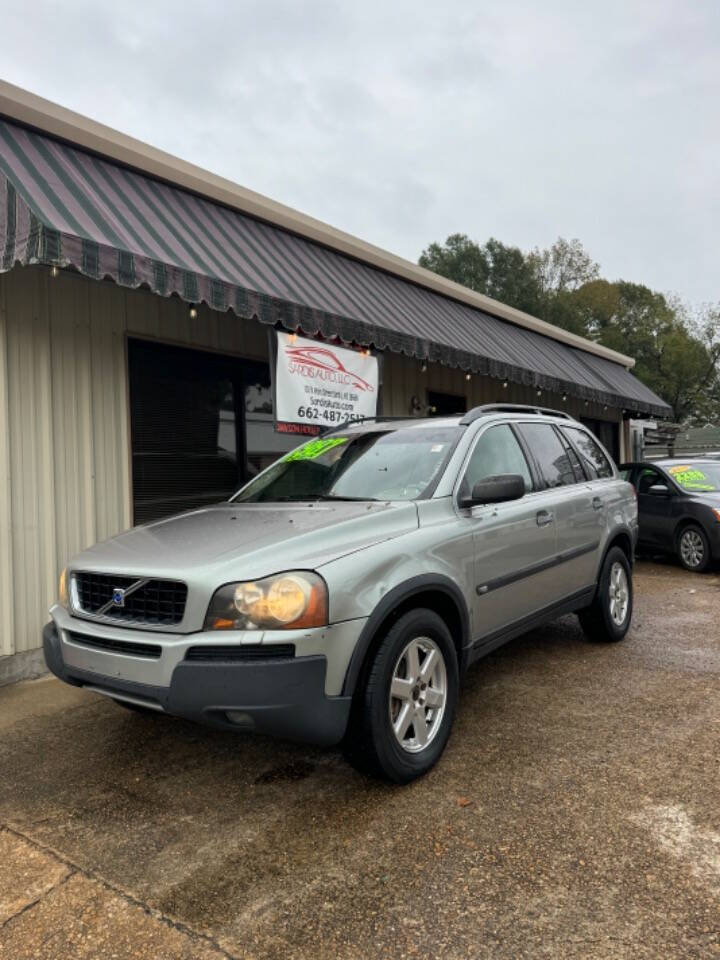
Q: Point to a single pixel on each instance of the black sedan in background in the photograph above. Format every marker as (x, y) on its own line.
(678, 508)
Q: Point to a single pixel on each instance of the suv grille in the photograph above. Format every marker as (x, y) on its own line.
(152, 602)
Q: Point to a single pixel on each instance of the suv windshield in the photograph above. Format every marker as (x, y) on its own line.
(698, 477)
(393, 465)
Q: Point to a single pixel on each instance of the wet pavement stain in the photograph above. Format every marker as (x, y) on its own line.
(295, 770)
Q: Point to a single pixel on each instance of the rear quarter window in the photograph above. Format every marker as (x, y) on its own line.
(596, 463)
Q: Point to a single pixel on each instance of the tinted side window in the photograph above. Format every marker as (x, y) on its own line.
(496, 452)
(596, 463)
(551, 456)
(646, 478)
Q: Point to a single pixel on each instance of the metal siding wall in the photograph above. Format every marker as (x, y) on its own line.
(31, 445)
(7, 619)
(65, 473)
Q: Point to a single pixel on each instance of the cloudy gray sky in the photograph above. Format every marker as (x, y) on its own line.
(403, 121)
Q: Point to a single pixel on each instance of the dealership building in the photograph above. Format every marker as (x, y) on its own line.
(142, 300)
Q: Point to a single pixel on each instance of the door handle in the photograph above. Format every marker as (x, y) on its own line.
(544, 517)
(597, 503)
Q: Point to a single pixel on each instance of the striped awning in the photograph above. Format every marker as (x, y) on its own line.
(63, 206)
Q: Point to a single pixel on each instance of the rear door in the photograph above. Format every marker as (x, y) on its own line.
(514, 542)
(608, 494)
(579, 510)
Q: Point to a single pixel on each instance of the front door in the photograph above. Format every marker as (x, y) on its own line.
(654, 510)
(513, 542)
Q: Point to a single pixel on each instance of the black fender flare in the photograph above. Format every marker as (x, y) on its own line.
(620, 530)
(398, 595)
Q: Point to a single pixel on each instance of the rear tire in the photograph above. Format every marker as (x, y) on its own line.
(608, 618)
(405, 706)
(693, 549)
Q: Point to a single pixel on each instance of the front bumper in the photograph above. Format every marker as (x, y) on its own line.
(279, 697)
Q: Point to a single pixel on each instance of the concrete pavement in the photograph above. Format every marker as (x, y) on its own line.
(575, 814)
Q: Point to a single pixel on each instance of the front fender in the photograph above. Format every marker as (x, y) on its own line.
(398, 596)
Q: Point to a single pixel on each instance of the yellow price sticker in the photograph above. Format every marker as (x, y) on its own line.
(693, 479)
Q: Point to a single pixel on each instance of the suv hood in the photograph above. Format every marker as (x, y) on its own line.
(249, 540)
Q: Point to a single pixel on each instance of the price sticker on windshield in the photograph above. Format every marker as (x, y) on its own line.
(315, 448)
(692, 478)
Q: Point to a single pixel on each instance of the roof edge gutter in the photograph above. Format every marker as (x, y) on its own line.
(34, 111)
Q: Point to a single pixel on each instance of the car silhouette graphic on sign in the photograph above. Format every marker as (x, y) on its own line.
(322, 358)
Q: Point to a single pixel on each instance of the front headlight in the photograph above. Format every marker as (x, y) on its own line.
(62, 590)
(286, 601)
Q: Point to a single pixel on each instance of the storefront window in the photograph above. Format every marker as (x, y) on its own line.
(184, 429)
(263, 445)
(201, 426)
(445, 404)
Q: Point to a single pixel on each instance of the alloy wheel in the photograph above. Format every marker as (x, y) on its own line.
(418, 694)
(619, 594)
(692, 548)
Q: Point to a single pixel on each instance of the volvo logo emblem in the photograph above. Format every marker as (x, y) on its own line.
(118, 597)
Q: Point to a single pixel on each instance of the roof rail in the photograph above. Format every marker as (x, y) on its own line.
(472, 415)
(349, 423)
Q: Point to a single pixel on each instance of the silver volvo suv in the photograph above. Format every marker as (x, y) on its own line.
(341, 594)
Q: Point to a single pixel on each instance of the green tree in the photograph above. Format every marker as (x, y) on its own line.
(593, 305)
(703, 326)
(561, 270)
(564, 267)
(670, 357)
(499, 271)
(459, 259)
(512, 277)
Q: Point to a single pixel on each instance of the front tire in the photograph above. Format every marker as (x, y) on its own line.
(607, 619)
(693, 549)
(405, 707)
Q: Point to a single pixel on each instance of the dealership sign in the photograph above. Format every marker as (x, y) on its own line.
(319, 385)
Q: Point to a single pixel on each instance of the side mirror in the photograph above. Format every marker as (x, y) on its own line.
(659, 490)
(500, 489)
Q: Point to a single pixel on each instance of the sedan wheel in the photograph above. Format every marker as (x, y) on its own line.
(693, 549)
